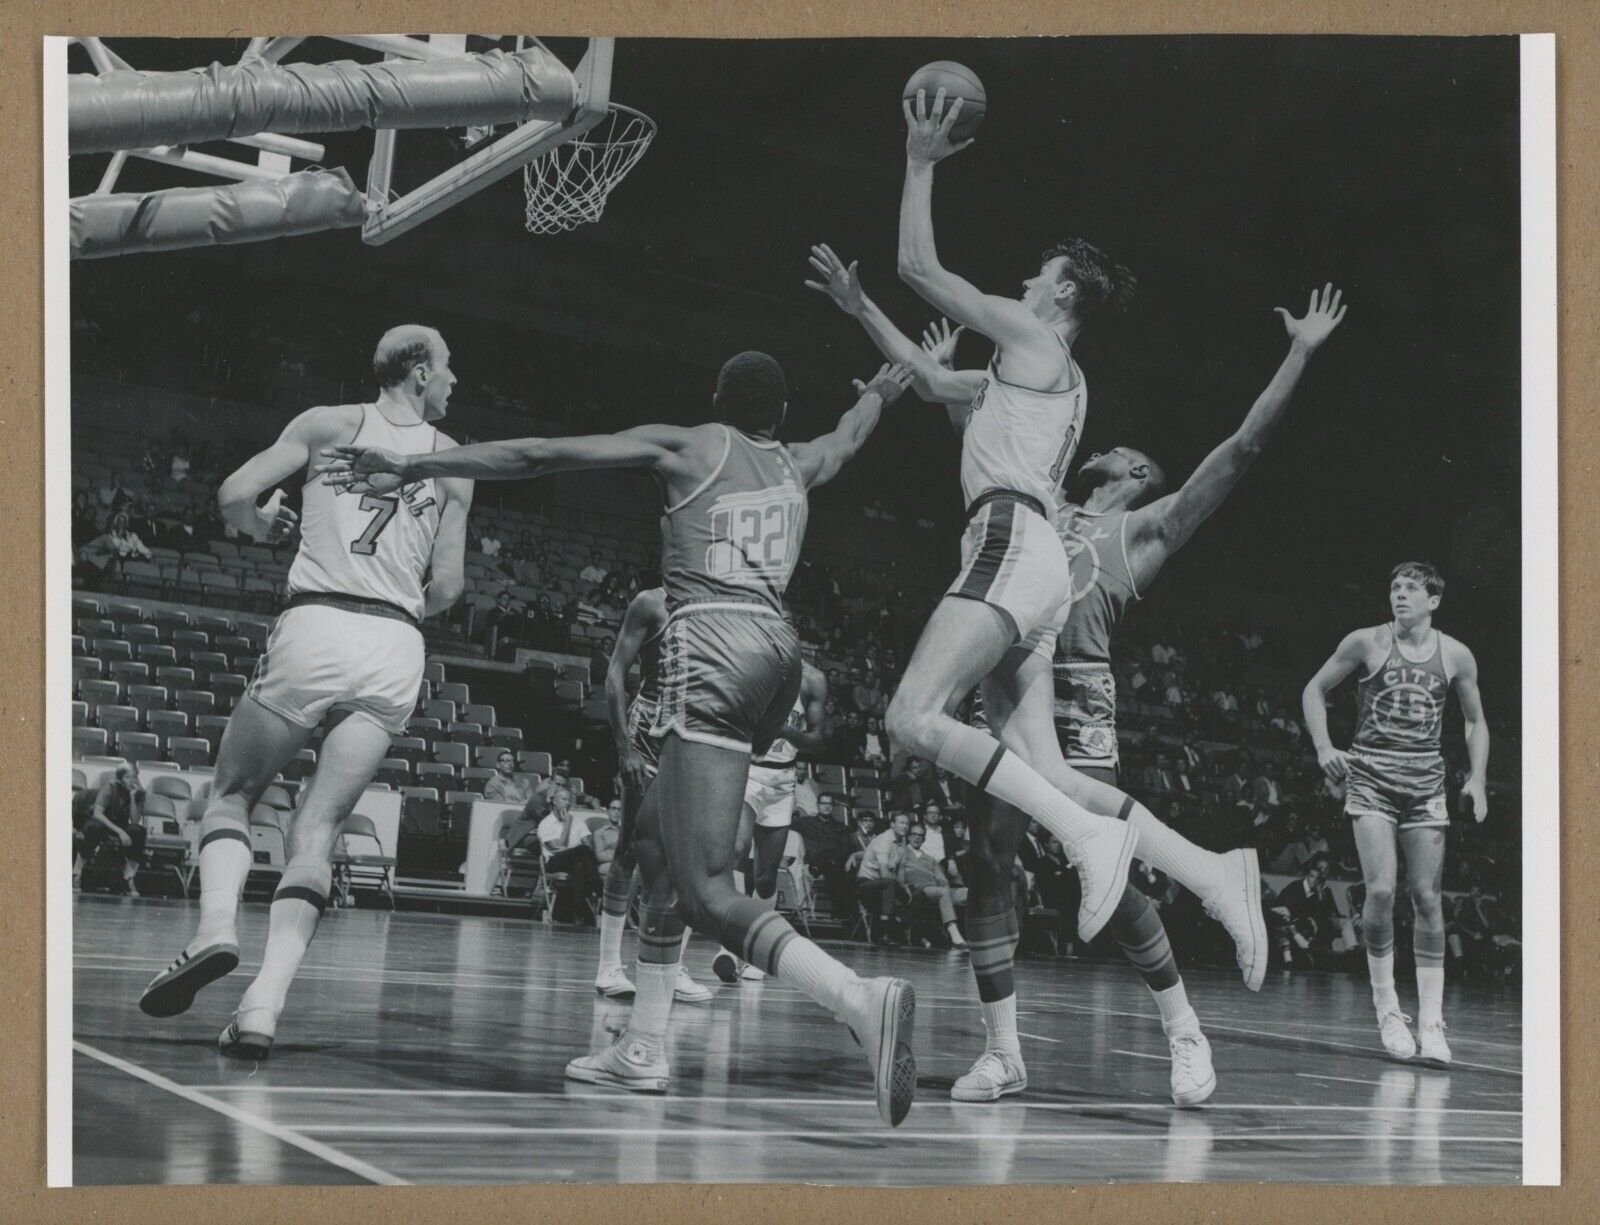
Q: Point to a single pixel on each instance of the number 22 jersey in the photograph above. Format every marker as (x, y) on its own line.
(375, 546)
(738, 535)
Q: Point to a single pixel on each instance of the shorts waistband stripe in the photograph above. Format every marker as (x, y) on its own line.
(1364, 751)
(353, 603)
(737, 606)
(1007, 495)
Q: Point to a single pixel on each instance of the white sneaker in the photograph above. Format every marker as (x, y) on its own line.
(625, 1064)
(726, 967)
(687, 991)
(1395, 1029)
(997, 1074)
(613, 984)
(1193, 1077)
(1431, 1046)
(249, 1034)
(1101, 858)
(752, 974)
(1237, 906)
(881, 1018)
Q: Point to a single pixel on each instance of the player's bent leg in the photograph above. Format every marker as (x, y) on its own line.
(701, 806)
(767, 846)
(255, 746)
(1424, 854)
(1376, 849)
(1019, 706)
(352, 752)
(992, 928)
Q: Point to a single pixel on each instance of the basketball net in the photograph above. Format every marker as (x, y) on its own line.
(568, 186)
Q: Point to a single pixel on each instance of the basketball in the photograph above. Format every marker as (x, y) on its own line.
(957, 81)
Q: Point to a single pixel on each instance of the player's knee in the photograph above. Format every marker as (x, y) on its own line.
(1380, 899)
(911, 726)
(1427, 905)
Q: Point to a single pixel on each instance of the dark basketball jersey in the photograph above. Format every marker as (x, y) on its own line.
(1102, 582)
(1401, 705)
(738, 536)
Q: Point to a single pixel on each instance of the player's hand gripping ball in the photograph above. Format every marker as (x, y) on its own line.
(957, 81)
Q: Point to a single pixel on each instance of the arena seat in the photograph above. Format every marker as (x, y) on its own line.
(267, 844)
(451, 755)
(166, 845)
(138, 746)
(441, 710)
(86, 606)
(118, 719)
(469, 735)
(112, 650)
(138, 633)
(89, 741)
(98, 693)
(476, 778)
(176, 789)
(867, 797)
(80, 714)
(396, 771)
(569, 693)
(208, 661)
(211, 727)
(479, 713)
(228, 686)
(194, 702)
(87, 667)
(96, 627)
(454, 691)
(539, 763)
(419, 811)
(146, 698)
(506, 738)
(175, 678)
(301, 766)
(167, 724)
(829, 776)
(436, 774)
(413, 748)
(129, 672)
(189, 751)
(424, 727)
(433, 673)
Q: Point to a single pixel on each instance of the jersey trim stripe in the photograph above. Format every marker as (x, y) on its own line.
(727, 446)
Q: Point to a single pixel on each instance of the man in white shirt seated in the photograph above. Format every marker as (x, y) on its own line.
(878, 878)
(568, 848)
(923, 877)
(933, 832)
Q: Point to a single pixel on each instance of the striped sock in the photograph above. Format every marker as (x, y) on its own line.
(661, 940)
(297, 906)
(225, 858)
(1427, 944)
(992, 941)
(978, 758)
(1138, 929)
(800, 964)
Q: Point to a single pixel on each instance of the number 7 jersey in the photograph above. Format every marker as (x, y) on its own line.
(375, 546)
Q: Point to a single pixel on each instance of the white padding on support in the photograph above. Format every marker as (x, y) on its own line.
(252, 211)
(138, 110)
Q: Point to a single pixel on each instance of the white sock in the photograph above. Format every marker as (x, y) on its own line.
(1177, 1017)
(611, 926)
(1164, 849)
(224, 863)
(684, 947)
(1000, 1024)
(1430, 995)
(1380, 971)
(653, 985)
(806, 968)
(970, 755)
(296, 909)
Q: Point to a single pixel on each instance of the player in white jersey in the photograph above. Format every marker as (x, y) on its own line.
(769, 805)
(346, 653)
(1020, 420)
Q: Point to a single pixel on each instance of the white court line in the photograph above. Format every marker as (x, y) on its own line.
(879, 1135)
(277, 1131)
(829, 1102)
(1349, 1080)
(1141, 1055)
(1033, 1037)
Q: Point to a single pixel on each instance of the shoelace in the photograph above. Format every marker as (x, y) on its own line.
(1185, 1050)
(993, 1063)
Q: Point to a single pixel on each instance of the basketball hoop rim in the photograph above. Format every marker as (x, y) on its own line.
(616, 112)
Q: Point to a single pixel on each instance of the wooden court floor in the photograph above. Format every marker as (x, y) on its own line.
(424, 1048)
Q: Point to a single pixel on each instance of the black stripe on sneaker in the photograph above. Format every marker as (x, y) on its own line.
(988, 770)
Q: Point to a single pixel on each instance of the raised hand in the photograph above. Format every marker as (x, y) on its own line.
(928, 133)
(841, 284)
(1321, 317)
(889, 384)
(368, 468)
(939, 342)
(274, 521)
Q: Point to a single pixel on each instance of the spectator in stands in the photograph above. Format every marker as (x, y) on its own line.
(933, 831)
(878, 875)
(85, 522)
(1302, 846)
(519, 833)
(1306, 917)
(606, 839)
(829, 846)
(506, 787)
(115, 815)
(568, 848)
(805, 797)
(181, 534)
(922, 877)
(910, 787)
(591, 574)
(117, 545)
(489, 545)
(875, 746)
(502, 623)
